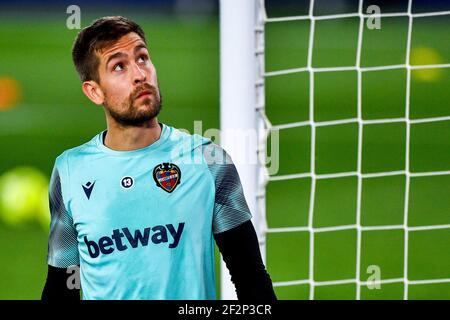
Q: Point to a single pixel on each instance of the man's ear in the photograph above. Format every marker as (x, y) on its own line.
(92, 90)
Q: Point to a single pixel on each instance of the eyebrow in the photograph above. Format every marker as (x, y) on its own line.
(121, 54)
(139, 47)
(114, 56)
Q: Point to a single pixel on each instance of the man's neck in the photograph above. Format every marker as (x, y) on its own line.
(121, 138)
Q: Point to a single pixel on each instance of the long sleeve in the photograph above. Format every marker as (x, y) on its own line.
(240, 250)
(233, 230)
(56, 285)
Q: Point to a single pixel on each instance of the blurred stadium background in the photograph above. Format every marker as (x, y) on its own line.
(43, 112)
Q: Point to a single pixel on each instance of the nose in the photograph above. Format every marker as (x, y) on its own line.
(138, 75)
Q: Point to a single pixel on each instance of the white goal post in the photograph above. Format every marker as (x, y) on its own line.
(238, 99)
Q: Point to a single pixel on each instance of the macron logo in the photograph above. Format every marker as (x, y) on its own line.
(123, 239)
(88, 189)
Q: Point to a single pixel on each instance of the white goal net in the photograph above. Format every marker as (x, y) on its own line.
(256, 187)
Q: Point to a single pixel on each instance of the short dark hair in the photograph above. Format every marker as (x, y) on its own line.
(101, 33)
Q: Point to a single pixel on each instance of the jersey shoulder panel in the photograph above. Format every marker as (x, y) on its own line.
(230, 205)
(185, 141)
(87, 148)
(62, 241)
(66, 162)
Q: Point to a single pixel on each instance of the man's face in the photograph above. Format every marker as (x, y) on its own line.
(128, 81)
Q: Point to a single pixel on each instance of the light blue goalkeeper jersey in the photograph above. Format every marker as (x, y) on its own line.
(140, 223)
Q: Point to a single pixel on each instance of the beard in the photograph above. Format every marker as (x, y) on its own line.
(133, 115)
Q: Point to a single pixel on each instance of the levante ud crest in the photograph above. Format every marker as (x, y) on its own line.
(167, 176)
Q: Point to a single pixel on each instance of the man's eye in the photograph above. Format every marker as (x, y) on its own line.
(118, 67)
(142, 58)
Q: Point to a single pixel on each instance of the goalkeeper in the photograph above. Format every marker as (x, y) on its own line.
(139, 206)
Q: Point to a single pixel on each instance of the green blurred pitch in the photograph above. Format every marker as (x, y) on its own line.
(54, 116)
